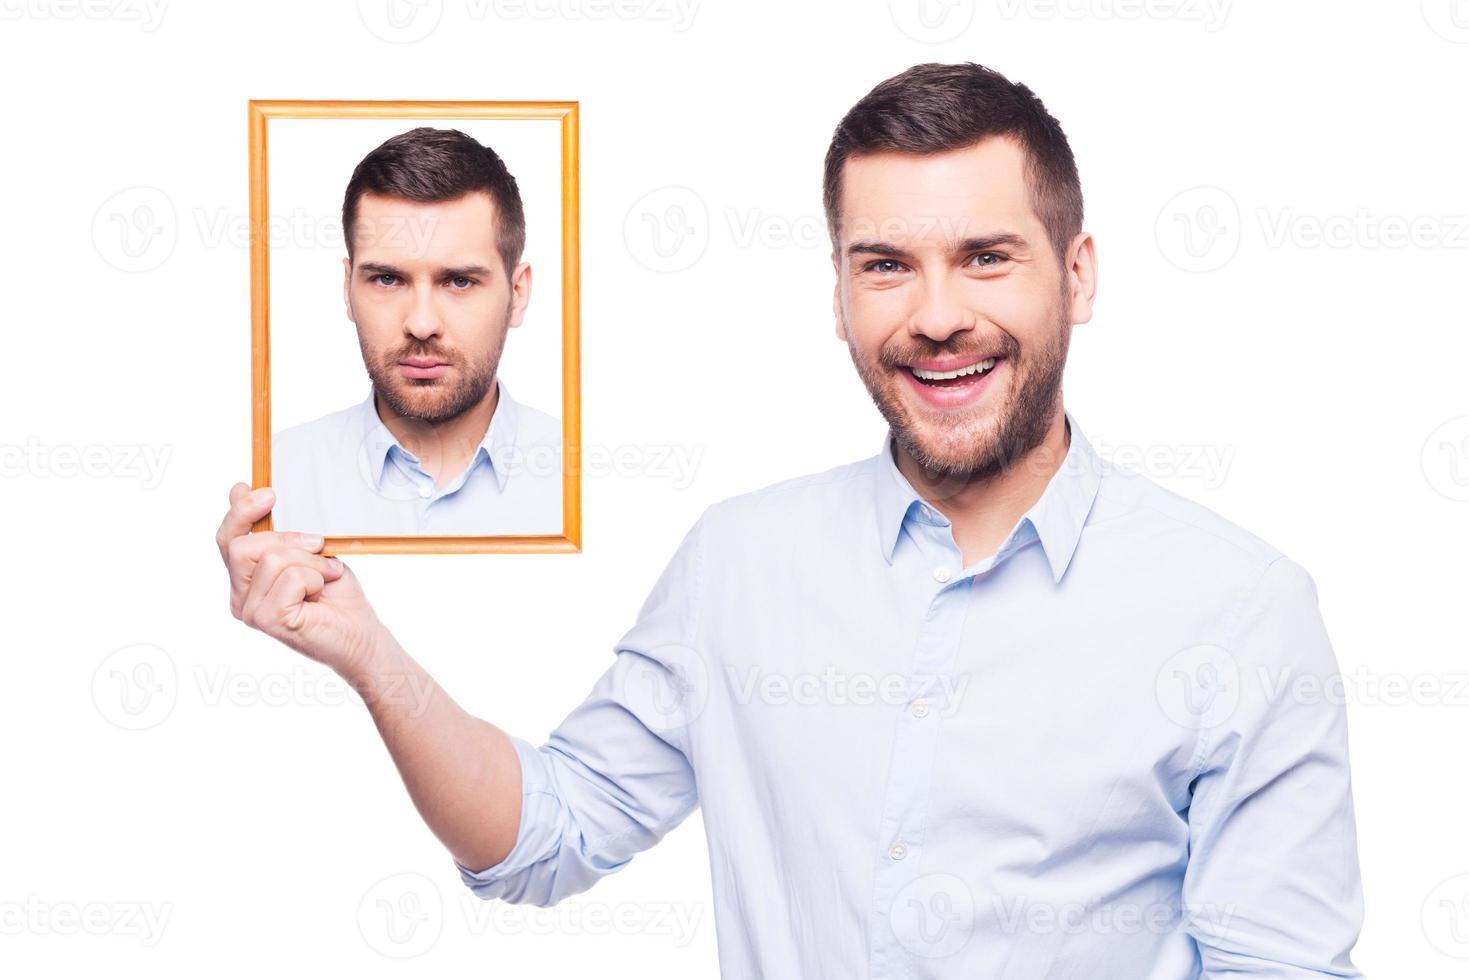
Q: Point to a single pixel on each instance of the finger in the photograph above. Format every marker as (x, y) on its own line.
(255, 560)
(246, 507)
(284, 606)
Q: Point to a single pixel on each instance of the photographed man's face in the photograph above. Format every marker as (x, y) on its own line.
(428, 292)
(942, 264)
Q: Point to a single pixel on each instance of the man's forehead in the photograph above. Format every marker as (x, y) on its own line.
(952, 194)
(423, 229)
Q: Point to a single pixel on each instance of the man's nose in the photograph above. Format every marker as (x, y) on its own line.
(940, 312)
(422, 320)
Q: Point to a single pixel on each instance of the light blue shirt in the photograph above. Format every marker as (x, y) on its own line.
(346, 474)
(1109, 750)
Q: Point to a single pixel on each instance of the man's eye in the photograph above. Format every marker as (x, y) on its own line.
(884, 266)
(461, 282)
(998, 258)
(382, 275)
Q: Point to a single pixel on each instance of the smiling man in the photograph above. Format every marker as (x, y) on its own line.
(433, 280)
(979, 705)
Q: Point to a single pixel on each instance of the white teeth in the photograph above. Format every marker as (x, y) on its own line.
(978, 367)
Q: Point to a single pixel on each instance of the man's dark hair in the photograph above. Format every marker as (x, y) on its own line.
(931, 108)
(433, 165)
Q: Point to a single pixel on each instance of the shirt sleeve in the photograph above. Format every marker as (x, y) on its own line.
(1272, 887)
(614, 777)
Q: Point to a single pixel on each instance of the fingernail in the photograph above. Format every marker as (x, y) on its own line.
(264, 495)
(335, 563)
(311, 541)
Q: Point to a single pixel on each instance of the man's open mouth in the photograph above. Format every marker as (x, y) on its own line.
(953, 377)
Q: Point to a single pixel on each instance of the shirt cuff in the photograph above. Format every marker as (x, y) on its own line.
(537, 806)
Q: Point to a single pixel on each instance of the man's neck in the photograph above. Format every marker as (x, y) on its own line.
(446, 449)
(984, 511)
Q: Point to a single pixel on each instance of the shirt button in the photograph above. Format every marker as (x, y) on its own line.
(941, 574)
(425, 492)
(920, 709)
(898, 851)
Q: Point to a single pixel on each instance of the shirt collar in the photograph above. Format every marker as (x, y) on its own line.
(378, 442)
(1058, 516)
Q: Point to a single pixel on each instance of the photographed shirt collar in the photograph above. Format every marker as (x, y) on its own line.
(1057, 517)
(498, 444)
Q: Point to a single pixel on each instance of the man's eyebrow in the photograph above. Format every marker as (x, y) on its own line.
(446, 272)
(981, 243)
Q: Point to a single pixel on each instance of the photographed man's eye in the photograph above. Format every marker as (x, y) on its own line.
(885, 266)
(996, 256)
(380, 276)
(461, 282)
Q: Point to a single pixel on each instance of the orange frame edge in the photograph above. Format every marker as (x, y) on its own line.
(260, 112)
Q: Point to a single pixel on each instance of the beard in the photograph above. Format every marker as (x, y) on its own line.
(955, 449)
(432, 401)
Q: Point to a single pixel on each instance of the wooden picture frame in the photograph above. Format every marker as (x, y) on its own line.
(260, 114)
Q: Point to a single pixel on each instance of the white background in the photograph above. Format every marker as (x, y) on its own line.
(1292, 337)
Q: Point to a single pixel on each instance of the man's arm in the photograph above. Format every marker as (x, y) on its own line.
(1273, 887)
(541, 823)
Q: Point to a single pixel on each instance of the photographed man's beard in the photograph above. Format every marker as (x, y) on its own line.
(430, 401)
(975, 446)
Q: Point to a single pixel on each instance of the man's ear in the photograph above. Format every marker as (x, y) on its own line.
(347, 287)
(1082, 275)
(836, 299)
(520, 281)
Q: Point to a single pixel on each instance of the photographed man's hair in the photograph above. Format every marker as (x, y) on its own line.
(931, 108)
(434, 165)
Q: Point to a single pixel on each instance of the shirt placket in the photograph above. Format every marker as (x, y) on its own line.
(903, 828)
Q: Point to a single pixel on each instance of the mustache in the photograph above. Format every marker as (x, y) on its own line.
(421, 351)
(923, 349)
